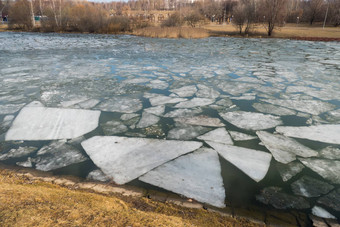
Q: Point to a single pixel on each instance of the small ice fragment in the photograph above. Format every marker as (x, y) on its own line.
(97, 175)
(200, 120)
(287, 171)
(195, 102)
(125, 159)
(322, 213)
(120, 104)
(113, 127)
(126, 117)
(27, 163)
(183, 112)
(310, 187)
(219, 135)
(207, 92)
(18, 153)
(147, 120)
(186, 132)
(186, 91)
(332, 200)
(161, 100)
(196, 175)
(157, 110)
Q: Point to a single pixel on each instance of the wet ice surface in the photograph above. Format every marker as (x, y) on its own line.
(222, 93)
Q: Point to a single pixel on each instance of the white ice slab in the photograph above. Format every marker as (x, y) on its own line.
(161, 100)
(322, 213)
(284, 149)
(254, 163)
(97, 175)
(41, 123)
(195, 102)
(125, 159)
(251, 121)
(272, 109)
(330, 153)
(113, 127)
(322, 133)
(200, 120)
(219, 135)
(207, 92)
(147, 120)
(186, 132)
(120, 104)
(157, 110)
(196, 175)
(239, 136)
(328, 169)
(183, 112)
(186, 91)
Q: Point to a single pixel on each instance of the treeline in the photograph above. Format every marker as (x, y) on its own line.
(115, 17)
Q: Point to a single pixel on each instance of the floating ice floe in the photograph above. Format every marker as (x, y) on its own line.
(272, 109)
(239, 136)
(310, 187)
(57, 155)
(322, 213)
(196, 175)
(195, 102)
(207, 92)
(158, 84)
(254, 163)
(186, 91)
(287, 171)
(314, 107)
(321, 133)
(10, 108)
(328, 169)
(219, 135)
(333, 116)
(251, 121)
(161, 100)
(280, 200)
(330, 153)
(126, 117)
(41, 123)
(186, 132)
(284, 149)
(17, 153)
(97, 175)
(124, 159)
(113, 127)
(27, 163)
(183, 112)
(157, 110)
(245, 96)
(147, 120)
(200, 120)
(331, 200)
(120, 104)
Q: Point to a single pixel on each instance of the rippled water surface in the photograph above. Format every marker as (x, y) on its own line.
(225, 93)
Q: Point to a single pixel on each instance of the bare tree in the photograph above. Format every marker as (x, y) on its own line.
(313, 9)
(274, 12)
(334, 12)
(20, 15)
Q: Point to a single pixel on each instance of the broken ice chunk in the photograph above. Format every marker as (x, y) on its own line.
(97, 175)
(126, 117)
(322, 213)
(272, 109)
(186, 91)
(196, 175)
(331, 200)
(245, 97)
(251, 121)
(120, 104)
(41, 123)
(183, 112)
(158, 84)
(328, 169)
(195, 102)
(219, 135)
(239, 136)
(254, 163)
(322, 133)
(113, 127)
(157, 110)
(17, 153)
(333, 116)
(290, 170)
(147, 120)
(284, 149)
(310, 187)
(161, 100)
(10, 108)
(280, 200)
(186, 132)
(200, 120)
(27, 163)
(207, 92)
(125, 159)
(330, 153)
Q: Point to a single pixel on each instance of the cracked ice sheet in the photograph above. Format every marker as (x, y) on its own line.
(195, 102)
(41, 123)
(272, 109)
(284, 149)
(186, 91)
(219, 135)
(251, 121)
(328, 169)
(196, 175)
(314, 107)
(200, 120)
(239, 136)
(120, 104)
(147, 120)
(125, 159)
(254, 163)
(321, 133)
(161, 100)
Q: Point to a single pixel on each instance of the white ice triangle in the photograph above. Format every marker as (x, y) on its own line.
(219, 135)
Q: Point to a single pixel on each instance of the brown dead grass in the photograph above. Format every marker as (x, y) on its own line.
(24, 202)
(172, 32)
(3, 27)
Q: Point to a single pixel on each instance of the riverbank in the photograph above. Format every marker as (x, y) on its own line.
(29, 197)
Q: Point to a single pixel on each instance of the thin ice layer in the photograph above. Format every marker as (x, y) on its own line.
(125, 159)
(322, 133)
(196, 175)
(219, 135)
(254, 163)
(41, 123)
(251, 121)
(284, 149)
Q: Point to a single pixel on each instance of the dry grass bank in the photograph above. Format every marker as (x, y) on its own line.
(172, 32)
(27, 202)
(3, 27)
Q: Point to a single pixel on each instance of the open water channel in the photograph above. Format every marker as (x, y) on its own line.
(221, 120)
